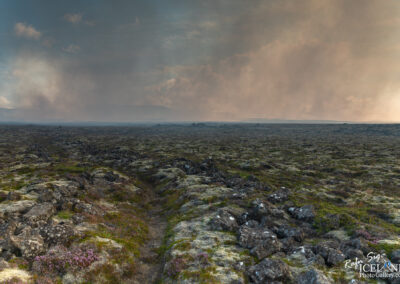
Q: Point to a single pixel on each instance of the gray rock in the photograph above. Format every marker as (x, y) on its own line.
(29, 242)
(335, 257)
(351, 253)
(224, 221)
(356, 243)
(78, 218)
(262, 242)
(305, 213)
(252, 224)
(261, 209)
(281, 195)
(330, 251)
(58, 234)
(395, 256)
(269, 270)
(323, 248)
(290, 232)
(48, 195)
(83, 207)
(15, 208)
(288, 244)
(40, 213)
(312, 276)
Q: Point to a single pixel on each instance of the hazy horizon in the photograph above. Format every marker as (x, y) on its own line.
(153, 61)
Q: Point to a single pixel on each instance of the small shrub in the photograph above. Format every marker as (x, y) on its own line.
(176, 266)
(62, 259)
(366, 235)
(203, 258)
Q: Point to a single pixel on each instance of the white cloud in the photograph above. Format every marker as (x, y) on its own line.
(27, 31)
(73, 18)
(4, 102)
(72, 48)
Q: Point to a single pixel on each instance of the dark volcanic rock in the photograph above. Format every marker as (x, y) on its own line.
(351, 253)
(290, 232)
(224, 221)
(29, 242)
(261, 209)
(269, 270)
(281, 195)
(395, 256)
(262, 242)
(329, 250)
(305, 213)
(312, 276)
(39, 214)
(335, 257)
(57, 234)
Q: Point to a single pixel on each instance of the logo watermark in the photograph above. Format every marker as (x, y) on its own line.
(375, 266)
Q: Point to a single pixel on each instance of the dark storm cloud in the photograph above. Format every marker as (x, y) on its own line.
(200, 60)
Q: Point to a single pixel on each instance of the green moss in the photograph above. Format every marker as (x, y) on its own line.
(20, 263)
(211, 199)
(26, 170)
(204, 275)
(173, 201)
(65, 214)
(69, 169)
(350, 217)
(183, 245)
(230, 243)
(387, 248)
(106, 271)
(128, 229)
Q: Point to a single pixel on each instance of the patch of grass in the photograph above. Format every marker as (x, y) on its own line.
(65, 214)
(26, 170)
(387, 248)
(69, 169)
(350, 217)
(107, 271)
(173, 201)
(204, 275)
(127, 228)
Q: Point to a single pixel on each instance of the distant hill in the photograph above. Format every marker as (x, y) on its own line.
(276, 120)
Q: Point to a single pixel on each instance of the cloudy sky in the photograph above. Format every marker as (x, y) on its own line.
(219, 60)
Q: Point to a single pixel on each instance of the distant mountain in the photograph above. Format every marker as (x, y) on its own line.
(277, 120)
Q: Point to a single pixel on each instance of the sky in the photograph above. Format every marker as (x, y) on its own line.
(208, 60)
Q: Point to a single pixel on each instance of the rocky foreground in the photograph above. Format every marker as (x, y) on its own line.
(197, 203)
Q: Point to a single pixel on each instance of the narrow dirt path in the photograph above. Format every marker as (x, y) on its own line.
(151, 264)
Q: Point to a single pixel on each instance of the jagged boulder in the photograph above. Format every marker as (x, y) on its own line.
(29, 242)
(261, 242)
(312, 276)
(39, 214)
(286, 231)
(15, 208)
(269, 270)
(224, 221)
(395, 256)
(330, 251)
(305, 213)
(281, 195)
(57, 234)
